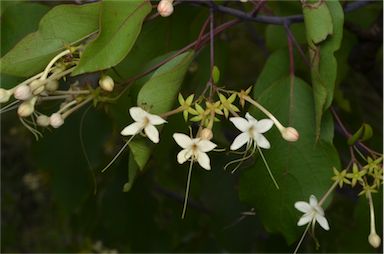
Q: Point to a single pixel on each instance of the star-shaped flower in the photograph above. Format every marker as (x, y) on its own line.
(356, 174)
(194, 148)
(312, 212)
(251, 131)
(340, 177)
(143, 121)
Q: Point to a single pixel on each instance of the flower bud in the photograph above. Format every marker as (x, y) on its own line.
(243, 1)
(206, 134)
(37, 86)
(43, 120)
(106, 83)
(26, 108)
(4, 95)
(374, 240)
(56, 120)
(23, 92)
(52, 85)
(290, 134)
(165, 8)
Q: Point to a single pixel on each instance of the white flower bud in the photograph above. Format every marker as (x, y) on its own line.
(374, 240)
(37, 86)
(23, 92)
(243, 1)
(206, 134)
(4, 95)
(290, 134)
(52, 85)
(26, 108)
(43, 120)
(56, 120)
(165, 8)
(106, 83)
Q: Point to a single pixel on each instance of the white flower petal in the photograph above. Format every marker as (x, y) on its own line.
(132, 129)
(152, 133)
(240, 123)
(205, 145)
(182, 140)
(322, 221)
(203, 160)
(250, 117)
(261, 141)
(240, 140)
(302, 206)
(137, 114)
(264, 125)
(313, 201)
(155, 119)
(183, 156)
(305, 219)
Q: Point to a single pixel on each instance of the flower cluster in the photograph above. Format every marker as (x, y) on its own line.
(207, 112)
(45, 86)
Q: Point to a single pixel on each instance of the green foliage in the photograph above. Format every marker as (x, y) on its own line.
(296, 166)
(120, 24)
(321, 51)
(159, 93)
(135, 206)
(61, 27)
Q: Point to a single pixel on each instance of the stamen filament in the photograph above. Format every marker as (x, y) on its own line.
(266, 164)
(187, 189)
(118, 154)
(301, 239)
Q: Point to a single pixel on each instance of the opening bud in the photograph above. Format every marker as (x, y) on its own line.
(26, 108)
(4, 95)
(37, 86)
(52, 85)
(43, 120)
(290, 134)
(374, 240)
(23, 92)
(106, 83)
(165, 8)
(56, 120)
(206, 134)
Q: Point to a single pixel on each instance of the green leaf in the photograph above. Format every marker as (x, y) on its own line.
(158, 95)
(363, 133)
(215, 74)
(301, 168)
(120, 25)
(160, 92)
(60, 27)
(324, 64)
(141, 151)
(318, 21)
(19, 20)
(132, 173)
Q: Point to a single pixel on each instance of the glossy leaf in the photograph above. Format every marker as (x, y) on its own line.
(62, 26)
(301, 168)
(120, 24)
(318, 21)
(160, 92)
(324, 64)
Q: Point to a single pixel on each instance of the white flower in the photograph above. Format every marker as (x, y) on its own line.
(252, 131)
(165, 8)
(143, 121)
(312, 212)
(195, 148)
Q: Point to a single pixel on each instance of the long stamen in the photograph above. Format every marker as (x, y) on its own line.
(118, 154)
(187, 189)
(301, 239)
(9, 107)
(266, 164)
